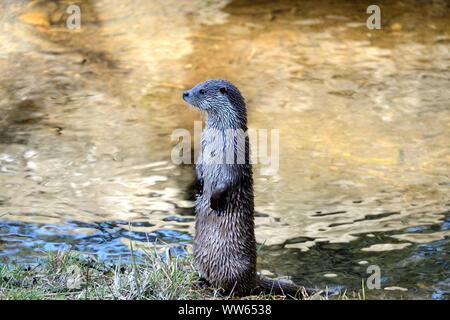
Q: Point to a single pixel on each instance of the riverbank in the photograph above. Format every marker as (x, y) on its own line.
(75, 276)
(71, 275)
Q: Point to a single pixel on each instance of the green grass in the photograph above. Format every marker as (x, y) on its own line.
(71, 275)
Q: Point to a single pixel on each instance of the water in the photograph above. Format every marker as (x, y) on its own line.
(364, 119)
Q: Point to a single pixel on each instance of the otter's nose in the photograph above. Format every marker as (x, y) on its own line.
(185, 94)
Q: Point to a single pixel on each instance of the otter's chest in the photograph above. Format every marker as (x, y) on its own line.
(215, 146)
(213, 159)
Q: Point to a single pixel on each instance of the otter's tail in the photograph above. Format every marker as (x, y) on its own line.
(284, 288)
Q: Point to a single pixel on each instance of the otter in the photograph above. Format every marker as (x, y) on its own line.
(224, 248)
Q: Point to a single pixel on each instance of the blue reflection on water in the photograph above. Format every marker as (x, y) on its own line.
(23, 242)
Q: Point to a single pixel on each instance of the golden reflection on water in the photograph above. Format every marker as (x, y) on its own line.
(364, 116)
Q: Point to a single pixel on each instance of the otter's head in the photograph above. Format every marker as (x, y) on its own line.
(218, 98)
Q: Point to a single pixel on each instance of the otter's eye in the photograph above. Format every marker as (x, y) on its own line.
(223, 90)
(202, 91)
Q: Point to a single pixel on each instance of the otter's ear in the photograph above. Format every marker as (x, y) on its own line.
(223, 90)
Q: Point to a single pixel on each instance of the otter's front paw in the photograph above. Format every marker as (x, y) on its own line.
(218, 202)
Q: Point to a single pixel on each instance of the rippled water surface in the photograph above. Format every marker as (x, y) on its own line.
(86, 118)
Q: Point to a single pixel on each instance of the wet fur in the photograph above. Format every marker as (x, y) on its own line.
(224, 243)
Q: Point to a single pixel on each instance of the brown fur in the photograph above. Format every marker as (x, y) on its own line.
(224, 243)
